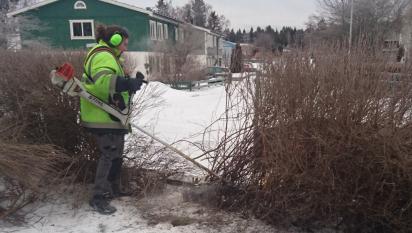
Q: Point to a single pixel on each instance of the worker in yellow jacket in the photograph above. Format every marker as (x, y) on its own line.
(105, 78)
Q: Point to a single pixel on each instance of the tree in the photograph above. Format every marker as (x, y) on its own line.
(251, 35)
(187, 15)
(7, 27)
(239, 37)
(12, 28)
(258, 30)
(232, 36)
(199, 13)
(213, 22)
(162, 8)
(373, 20)
(224, 23)
(245, 36)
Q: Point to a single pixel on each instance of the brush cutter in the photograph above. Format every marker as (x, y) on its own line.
(63, 78)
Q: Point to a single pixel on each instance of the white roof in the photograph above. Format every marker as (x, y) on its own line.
(34, 6)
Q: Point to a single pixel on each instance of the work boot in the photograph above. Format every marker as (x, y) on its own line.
(101, 205)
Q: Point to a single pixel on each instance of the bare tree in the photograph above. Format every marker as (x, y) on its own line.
(373, 20)
(11, 29)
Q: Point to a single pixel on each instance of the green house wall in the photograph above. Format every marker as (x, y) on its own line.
(55, 17)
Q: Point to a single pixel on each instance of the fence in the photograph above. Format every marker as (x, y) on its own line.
(219, 79)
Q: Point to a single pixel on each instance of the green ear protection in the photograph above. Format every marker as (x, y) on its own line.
(116, 39)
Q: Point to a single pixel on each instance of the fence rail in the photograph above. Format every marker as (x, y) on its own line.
(197, 85)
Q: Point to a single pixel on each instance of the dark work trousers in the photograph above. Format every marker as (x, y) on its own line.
(110, 162)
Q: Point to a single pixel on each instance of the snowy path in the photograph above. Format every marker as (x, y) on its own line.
(168, 211)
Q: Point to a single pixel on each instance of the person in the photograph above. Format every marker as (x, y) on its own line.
(105, 78)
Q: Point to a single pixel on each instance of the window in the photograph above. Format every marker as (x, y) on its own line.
(80, 5)
(153, 30)
(176, 34)
(155, 63)
(181, 34)
(81, 29)
(166, 31)
(159, 31)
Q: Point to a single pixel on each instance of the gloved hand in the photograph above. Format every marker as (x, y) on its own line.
(136, 83)
(139, 75)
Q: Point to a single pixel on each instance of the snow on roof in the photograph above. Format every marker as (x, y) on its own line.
(31, 7)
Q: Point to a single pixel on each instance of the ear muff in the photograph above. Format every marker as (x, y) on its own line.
(116, 39)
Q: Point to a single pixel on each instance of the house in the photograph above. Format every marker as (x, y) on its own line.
(70, 24)
(398, 41)
(406, 34)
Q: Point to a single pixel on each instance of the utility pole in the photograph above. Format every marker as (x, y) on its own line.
(351, 26)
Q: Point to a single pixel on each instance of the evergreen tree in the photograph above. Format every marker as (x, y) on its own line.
(270, 30)
(251, 35)
(213, 22)
(232, 36)
(276, 37)
(269, 38)
(187, 13)
(162, 8)
(239, 38)
(199, 13)
(245, 36)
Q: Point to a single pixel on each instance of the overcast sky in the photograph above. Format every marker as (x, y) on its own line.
(247, 13)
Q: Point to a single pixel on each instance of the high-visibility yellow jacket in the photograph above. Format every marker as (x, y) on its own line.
(101, 70)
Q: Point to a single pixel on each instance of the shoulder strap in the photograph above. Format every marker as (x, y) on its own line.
(90, 57)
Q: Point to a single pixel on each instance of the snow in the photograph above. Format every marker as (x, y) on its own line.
(184, 117)
(169, 211)
(184, 113)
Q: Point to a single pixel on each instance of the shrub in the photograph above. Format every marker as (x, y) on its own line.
(326, 144)
(40, 136)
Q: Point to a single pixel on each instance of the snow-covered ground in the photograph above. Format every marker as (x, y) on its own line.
(169, 211)
(186, 119)
(184, 115)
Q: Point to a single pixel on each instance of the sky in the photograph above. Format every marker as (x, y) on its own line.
(244, 14)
